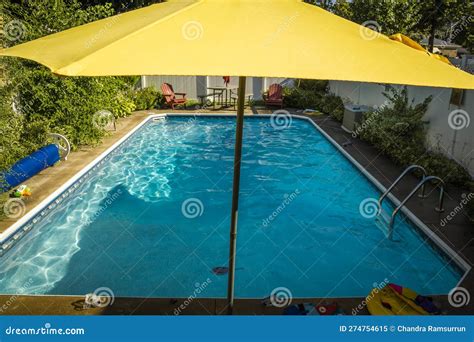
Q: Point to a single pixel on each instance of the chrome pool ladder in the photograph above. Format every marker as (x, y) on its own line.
(387, 221)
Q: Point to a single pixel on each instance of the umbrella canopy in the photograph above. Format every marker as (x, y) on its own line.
(281, 38)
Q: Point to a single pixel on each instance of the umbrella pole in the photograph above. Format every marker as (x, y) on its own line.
(235, 193)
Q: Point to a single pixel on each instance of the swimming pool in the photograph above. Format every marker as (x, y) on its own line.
(151, 219)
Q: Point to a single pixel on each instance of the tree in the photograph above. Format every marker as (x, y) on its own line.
(445, 19)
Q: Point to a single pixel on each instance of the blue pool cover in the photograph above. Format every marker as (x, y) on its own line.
(29, 166)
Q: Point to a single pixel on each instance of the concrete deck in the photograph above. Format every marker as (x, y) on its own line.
(458, 233)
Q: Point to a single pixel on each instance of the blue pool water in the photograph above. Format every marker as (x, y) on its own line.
(153, 220)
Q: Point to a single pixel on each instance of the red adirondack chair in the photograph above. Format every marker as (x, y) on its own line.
(170, 96)
(274, 95)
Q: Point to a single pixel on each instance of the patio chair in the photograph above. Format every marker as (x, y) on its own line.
(170, 96)
(274, 95)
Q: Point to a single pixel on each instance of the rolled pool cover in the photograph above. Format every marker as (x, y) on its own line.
(29, 166)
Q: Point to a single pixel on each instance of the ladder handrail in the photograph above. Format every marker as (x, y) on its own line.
(405, 172)
(441, 186)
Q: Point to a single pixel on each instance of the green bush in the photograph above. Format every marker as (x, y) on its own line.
(333, 106)
(300, 98)
(314, 94)
(147, 98)
(397, 130)
(316, 86)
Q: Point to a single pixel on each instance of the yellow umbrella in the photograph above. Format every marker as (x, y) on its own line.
(237, 38)
(281, 38)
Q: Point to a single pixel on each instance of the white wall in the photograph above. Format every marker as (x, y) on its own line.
(197, 85)
(456, 144)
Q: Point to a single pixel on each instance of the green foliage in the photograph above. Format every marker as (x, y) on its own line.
(452, 19)
(333, 105)
(397, 130)
(299, 98)
(35, 102)
(313, 94)
(148, 98)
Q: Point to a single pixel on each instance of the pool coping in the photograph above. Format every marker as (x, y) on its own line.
(18, 229)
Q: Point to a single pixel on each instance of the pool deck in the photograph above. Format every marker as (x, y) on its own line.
(457, 233)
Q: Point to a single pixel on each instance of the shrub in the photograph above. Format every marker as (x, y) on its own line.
(314, 94)
(397, 130)
(300, 98)
(147, 98)
(333, 106)
(316, 86)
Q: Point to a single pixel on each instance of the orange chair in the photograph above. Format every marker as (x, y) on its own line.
(170, 96)
(274, 95)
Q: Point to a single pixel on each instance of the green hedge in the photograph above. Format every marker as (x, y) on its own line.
(398, 131)
(148, 98)
(313, 94)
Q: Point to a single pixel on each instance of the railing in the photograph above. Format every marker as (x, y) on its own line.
(404, 173)
(439, 208)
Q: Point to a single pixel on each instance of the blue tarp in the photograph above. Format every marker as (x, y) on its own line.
(29, 166)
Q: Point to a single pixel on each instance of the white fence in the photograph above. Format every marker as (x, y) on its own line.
(194, 86)
(450, 129)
